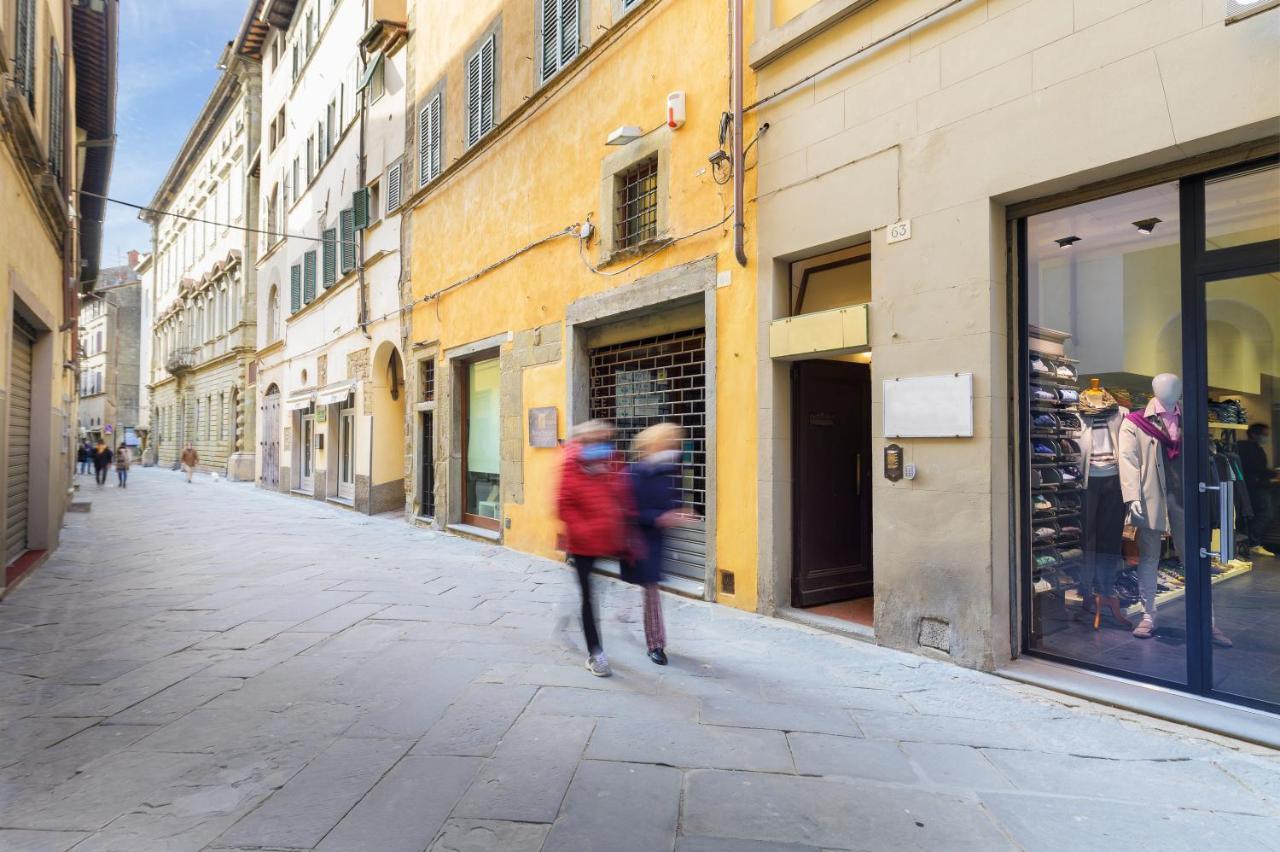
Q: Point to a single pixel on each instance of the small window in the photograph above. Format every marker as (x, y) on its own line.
(559, 35)
(394, 174)
(636, 204)
(275, 54)
(429, 141)
(428, 374)
(311, 161)
(375, 202)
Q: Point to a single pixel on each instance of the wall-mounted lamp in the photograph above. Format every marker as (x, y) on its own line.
(625, 135)
(1067, 242)
(1146, 226)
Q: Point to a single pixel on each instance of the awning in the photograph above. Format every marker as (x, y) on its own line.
(298, 400)
(335, 393)
(369, 70)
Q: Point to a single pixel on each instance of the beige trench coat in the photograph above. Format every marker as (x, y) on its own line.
(1142, 474)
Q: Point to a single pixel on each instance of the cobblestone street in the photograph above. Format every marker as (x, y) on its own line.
(318, 679)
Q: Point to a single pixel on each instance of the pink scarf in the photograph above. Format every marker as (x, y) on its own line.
(1172, 448)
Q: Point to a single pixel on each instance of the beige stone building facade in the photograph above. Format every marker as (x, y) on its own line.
(967, 211)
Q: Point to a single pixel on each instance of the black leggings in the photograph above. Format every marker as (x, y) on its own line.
(584, 564)
(100, 473)
(1103, 528)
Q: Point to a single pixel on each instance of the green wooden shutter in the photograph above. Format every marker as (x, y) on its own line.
(24, 59)
(295, 288)
(360, 205)
(56, 111)
(309, 277)
(346, 223)
(329, 272)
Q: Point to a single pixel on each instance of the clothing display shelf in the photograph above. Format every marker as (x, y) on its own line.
(1055, 558)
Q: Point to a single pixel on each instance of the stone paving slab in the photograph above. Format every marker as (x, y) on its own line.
(321, 679)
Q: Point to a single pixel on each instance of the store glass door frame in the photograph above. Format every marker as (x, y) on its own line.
(307, 451)
(347, 453)
(1199, 268)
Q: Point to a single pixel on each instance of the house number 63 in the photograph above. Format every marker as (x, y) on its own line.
(900, 231)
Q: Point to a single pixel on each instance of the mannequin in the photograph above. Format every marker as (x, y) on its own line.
(1150, 468)
(1104, 508)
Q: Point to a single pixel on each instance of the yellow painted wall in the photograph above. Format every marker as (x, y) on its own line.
(543, 174)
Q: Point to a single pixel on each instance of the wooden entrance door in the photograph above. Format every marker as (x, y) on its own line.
(831, 503)
(270, 442)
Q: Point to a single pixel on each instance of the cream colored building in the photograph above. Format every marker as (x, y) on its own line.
(203, 295)
(954, 197)
(57, 127)
(330, 365)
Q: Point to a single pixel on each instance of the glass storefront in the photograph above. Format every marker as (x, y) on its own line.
(483, 506)
(1150, 380)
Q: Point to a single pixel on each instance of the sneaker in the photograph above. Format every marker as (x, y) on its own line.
(1146, 628)
(1262, 551)
(598, 665)
(1221, 639)
(659, 656)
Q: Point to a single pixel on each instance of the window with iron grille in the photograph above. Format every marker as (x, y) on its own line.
(635, 219)
(24, 55)
(641, 383)
(559, 35)
(427, 370)
(482, 90)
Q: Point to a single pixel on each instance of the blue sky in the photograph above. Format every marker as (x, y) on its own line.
(169, 50)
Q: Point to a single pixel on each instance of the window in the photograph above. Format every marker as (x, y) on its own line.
(297, 172)
(297, 60)
(273, 314)
(222, 415)
(559, 35)
(275, 53)
(329, 262)
(636, 204)
(347, 224)
(309, 277)
(295, 288)
(393, 187)
(480, 454)
(481, 90)
(427, 375)
(57, 112)
(375, 202)
(24, 55)
(311, 160)
(310, 35)
(273, 215)
(429, 141)
(331, 125)
(322, 144)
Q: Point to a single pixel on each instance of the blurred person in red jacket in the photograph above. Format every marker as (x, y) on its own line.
(592, 503)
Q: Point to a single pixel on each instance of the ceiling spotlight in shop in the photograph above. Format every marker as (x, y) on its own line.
(1067, 242)
(1146, 226)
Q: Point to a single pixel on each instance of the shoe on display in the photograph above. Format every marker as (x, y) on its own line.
(659, 656)
(1221, 639)
(1262, 551)
(598, 665)
(1146, 628)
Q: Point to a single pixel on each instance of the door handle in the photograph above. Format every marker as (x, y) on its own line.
(1226, 521)
(858, 475)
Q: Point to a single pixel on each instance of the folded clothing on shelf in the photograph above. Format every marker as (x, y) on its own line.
(1044, 394)
(1070, 421)
(1046, 421)
(1044, 450)
(1066, 372)
(1070, 396)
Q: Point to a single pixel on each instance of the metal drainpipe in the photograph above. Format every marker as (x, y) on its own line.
(739, 156)
(361, 181)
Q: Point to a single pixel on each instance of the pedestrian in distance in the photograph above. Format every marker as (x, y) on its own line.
(593, 504)
(102, 456)
(84, 456)
(190, 459)
(124, 458)
(655, 491)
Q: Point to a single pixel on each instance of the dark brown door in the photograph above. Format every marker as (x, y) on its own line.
(831, 517)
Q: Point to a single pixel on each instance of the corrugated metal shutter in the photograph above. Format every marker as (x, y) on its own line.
(17, 472)
(644, 382)
(329, 267)
(295, 289)
(309, 277)
(347, 226)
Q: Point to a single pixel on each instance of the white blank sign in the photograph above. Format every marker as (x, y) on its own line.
(929, 407)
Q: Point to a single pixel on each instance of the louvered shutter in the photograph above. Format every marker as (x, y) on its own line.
(424, 144)
(473, 99)
(360, 206)
(295, 289)
(568, 31)
(437, 141)
(309, 277)
(393, 187)
(56, 111)
(347, 225)
(488, 61)
(329, 265)
(550, 37)
(24, 67)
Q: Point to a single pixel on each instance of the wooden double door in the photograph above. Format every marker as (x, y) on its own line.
(831, 475)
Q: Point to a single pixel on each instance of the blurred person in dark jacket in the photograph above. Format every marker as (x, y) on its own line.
(593, 503)
(1257, 479)
(658, 506)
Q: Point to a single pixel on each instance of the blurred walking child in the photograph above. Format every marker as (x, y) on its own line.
(124, 457)
(658, 507)
(592, 502)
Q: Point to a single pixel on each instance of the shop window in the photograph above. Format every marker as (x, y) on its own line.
(483, 505)
(635, 218)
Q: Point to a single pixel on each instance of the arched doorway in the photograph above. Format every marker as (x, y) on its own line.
(269, 444)
(387, 386)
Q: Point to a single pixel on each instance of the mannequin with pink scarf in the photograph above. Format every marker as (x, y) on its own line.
(1151, 461)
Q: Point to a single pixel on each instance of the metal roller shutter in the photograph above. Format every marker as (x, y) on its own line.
(644, 382)
(19, 443)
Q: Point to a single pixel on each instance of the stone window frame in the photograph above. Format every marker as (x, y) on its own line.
(614, 165)
(539, 43)
(619, 9)
(494, 31)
